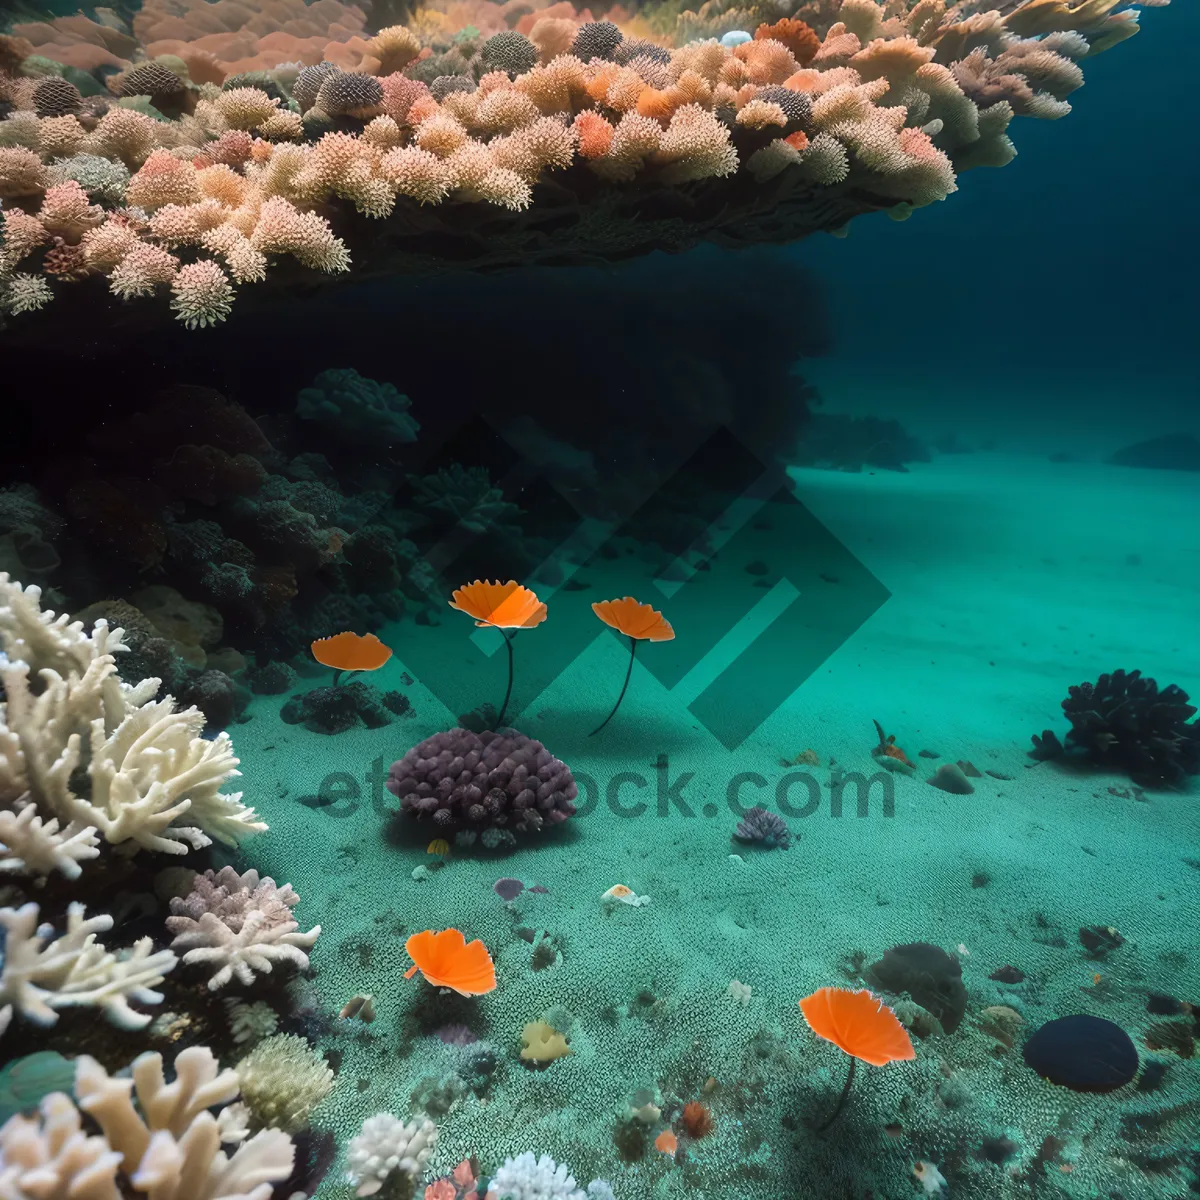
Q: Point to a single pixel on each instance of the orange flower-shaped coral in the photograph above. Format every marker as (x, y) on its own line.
(501, 605)
(641, 621)
(351, 652)
(448, 960)
(859, 1023)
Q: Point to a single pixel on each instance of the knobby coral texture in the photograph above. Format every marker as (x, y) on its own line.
(459, 780)
(222, 151)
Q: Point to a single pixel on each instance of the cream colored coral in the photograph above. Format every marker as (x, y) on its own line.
(169, 1146)
(386, 1146)
(37, 847)
(695, 146)
(42, 974)
(282, 1080)
(142, 271)
(147, 765)
(283, 229)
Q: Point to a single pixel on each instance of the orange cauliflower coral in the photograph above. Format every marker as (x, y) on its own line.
(163, 179)
(595, 134)
(767, 61)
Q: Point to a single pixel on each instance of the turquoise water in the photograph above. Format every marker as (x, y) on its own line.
(898, 495)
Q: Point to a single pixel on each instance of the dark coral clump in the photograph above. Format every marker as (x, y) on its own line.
(1123, 722)
(630, 48)
(1083, 1053)
(345, 92)
(443, 85)
(336, 709)
(150, 79)
(217, 696)
(596, 39)
(765, 828)
(796, 106)
(308, 83)
(54, 96)
(509, 51)
(929, 975)
(262, 80)
(474, 781)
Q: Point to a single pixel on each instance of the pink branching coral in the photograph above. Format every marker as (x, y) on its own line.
(860, 106)
(239, 924)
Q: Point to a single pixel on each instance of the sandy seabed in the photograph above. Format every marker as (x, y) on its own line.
(1010, 579)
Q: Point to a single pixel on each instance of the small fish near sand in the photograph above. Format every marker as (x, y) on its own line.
(889, 755)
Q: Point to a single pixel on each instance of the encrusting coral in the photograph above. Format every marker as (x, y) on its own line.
(476, 149)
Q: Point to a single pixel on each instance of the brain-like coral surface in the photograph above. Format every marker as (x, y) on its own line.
(459, 780)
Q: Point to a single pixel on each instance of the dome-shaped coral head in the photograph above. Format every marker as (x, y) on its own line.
(500, 605)
(640, 621)
(858, 1023)
(448, 960)
(351, 652)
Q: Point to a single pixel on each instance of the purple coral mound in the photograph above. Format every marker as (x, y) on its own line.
(464, 780)
(766, 828)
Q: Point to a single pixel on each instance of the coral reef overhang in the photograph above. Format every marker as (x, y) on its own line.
(577, 220)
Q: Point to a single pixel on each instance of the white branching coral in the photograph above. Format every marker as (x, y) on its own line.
(40, 974)
(152, 782)
(387, 1146)
(34, 846)
(239, 924)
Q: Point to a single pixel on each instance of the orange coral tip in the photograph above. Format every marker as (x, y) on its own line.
(667, 1142)
(640, 621)
(501, 605)
(351, 652)
(858, 1023)
(448, 960)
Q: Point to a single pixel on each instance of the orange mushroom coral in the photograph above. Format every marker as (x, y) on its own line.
(500, 606)
(860, 1024)
(639, 623)
(350, 652)
(448, 960)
